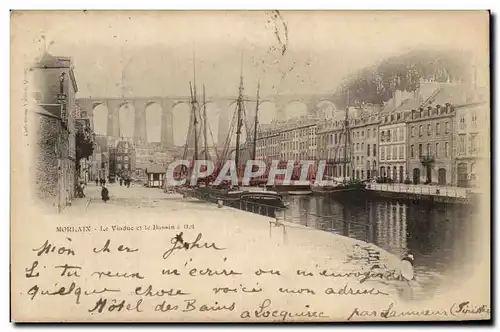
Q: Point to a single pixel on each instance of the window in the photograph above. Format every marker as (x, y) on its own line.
(437, 150)
(401, 152)
(412, 152)
(428, 149)
(382, 134)
(429, 129)
(395, 152)
(368, 133)
(412, 131)
(420, 149)
(462, 122)
(446, 127)
(362, 147)
(362, 133)
(389, 153)
(374, 133)
(474, 119)
(357, 146)
(394, 135)
(374, 150)
(438, 128)
(401, 134)
(382, 154)
(367, 150)
(420, 131)
(446, 150)
(126, 158)
(473, 143)
(461, 143)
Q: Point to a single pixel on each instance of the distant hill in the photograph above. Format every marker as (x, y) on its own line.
(377, 83)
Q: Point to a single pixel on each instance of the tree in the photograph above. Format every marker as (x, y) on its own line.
(376, 84)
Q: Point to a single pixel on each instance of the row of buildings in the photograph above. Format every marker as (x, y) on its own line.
(123, 157)
(438, 134)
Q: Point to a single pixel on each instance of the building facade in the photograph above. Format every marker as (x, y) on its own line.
(371, 145)
(268, 144)
(364, 137)
(330, 144)
(392, 146)
(298, 139)
(430, 142)
(53, 90)
(472, 151)
(97, 169)
(124, 158)
(432, 137)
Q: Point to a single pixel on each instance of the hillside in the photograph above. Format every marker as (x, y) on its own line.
(376, 84)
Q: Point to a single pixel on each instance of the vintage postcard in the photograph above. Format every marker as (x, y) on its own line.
(250, 166)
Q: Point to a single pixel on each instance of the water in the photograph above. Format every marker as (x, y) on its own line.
(439, 236)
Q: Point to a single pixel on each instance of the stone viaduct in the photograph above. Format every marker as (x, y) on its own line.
(86, 107)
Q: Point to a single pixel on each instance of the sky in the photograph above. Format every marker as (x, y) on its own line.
(151, 53)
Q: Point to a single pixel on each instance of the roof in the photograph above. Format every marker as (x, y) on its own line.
(155, 168)
(408, 104)
(41, 110)
(50, 61)
(452, 94)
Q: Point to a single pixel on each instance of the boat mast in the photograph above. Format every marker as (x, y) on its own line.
(205, 124)
(239, 122)
(194, 107)
(254, 152)
(346, 130)
(205, 131)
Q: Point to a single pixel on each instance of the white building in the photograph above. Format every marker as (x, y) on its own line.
(392, 146)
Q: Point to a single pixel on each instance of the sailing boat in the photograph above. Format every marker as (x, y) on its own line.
(187, 172)
(233, 192)
(344, 184)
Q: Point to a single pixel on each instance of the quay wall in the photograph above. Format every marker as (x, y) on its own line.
(428, 193)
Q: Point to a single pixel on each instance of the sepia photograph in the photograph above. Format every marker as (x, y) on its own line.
(260, 166)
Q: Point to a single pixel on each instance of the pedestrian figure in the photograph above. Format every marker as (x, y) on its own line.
(128, 183)
(79, 191)
(103, 182)
(121, 182)
(104, 194)
(96, 182)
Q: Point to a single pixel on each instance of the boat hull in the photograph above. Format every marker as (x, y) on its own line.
(290, 188)
(300, 193)
(263, 198)
(337, 190)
